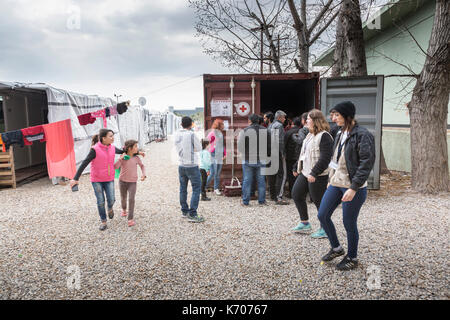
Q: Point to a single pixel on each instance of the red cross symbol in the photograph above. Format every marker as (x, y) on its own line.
(242, 108)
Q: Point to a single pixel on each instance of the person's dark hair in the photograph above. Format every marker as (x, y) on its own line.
(98, 137)
(297, 121)
(261, 119)
(129, 144)
(254, 118)
(205, 143)
(186, 122)
(304, 116)
(269, 115)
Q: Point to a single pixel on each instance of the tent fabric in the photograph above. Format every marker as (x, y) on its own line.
(136, 123)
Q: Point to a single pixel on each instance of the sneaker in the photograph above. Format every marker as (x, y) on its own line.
(184, 215)
(262, 204)
(111, 213)
(333, 254)
(319, 234)
(301, 227)
(131, 223)
(245, 204)
(217, 192)
(347, 264)
(195, 219)
(103, 226)
(281, 202)
(124, 213)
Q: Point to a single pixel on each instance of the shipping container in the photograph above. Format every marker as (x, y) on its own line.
(295, 94)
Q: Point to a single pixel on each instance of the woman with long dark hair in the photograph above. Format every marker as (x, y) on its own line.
(101, 156)
(353, 159)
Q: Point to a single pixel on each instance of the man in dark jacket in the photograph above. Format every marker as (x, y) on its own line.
(292, 151)
(278, 181)
(254, 158)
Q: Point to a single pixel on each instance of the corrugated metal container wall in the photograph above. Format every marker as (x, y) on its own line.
(292, 93)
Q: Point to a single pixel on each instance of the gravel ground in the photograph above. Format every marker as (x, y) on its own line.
(48, 234)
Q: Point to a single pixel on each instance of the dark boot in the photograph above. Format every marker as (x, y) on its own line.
(204, 197)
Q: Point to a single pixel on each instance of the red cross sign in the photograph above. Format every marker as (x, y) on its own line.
(242, 108)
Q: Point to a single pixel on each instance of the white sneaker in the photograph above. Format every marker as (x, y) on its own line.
(217, 191)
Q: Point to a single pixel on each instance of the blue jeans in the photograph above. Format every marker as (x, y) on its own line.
(251, 172)
(350, 209)
(192, 174)
(216, 169)
(100, 189)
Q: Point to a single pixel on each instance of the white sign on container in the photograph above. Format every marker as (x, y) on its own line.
(221, 108)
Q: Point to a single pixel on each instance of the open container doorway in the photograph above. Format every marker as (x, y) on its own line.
(294, 97)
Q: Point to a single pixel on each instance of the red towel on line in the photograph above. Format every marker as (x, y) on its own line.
(32, 134)
(86, 118)
(60, 149)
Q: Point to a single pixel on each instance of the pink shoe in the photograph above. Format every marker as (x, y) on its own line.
(124, 213)
(131, 223)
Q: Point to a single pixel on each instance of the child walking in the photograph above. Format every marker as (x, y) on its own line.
(128, 178)
(205, 165)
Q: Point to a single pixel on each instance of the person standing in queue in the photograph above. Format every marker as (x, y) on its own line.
(353, 159)
(312, 169)
(218, 153)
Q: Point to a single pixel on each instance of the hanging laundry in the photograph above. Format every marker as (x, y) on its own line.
(122, 107)
(60, 149)
(100, 114)
(113, 111)
(12, 137)
(32, 134)
(85, 119)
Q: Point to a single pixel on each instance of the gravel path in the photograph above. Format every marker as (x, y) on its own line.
(238, 253)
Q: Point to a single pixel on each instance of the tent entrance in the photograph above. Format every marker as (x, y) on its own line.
(292, 96)
(22, 109)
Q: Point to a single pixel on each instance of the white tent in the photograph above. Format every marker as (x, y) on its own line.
(32, 104)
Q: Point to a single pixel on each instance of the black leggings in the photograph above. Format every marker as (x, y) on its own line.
(204, 178)
(315, 189)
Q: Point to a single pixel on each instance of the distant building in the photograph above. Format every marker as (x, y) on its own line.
(186, 112)
(384, 44)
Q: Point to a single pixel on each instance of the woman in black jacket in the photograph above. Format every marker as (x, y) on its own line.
(353, 159)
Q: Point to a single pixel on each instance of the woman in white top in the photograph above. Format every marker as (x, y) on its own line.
(312, 169)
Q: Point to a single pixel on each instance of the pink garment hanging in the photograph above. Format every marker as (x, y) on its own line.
(113, 111)
(100, 114)
(60, 149)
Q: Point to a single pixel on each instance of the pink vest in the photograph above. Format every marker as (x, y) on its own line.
(102, 167)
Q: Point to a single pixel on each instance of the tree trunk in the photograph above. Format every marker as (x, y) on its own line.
(428, 110)
(300, 29)
(340, 54)
(354, 38)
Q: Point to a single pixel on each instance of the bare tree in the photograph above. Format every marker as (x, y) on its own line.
(231, 31)
(428, 110)
(309, 33)
(238, 33)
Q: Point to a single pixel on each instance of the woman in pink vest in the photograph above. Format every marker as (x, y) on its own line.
(101, 156)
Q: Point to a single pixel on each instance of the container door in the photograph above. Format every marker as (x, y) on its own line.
(366, 93)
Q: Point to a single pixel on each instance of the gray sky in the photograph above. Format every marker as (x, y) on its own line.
(105, 47)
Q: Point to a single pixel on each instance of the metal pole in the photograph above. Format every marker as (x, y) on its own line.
(262, 52)
(232, 140)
